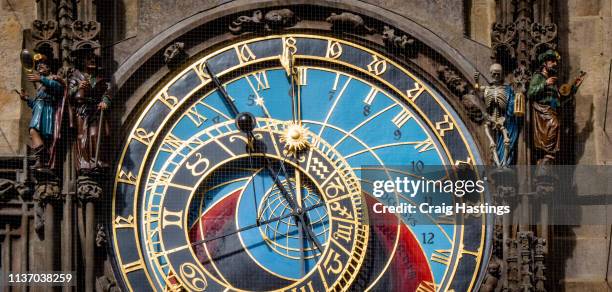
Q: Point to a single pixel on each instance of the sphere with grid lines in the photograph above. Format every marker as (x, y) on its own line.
(283, 236)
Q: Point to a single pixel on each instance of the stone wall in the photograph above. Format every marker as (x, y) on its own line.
(588, 39)
(15, 16)
(585, 31)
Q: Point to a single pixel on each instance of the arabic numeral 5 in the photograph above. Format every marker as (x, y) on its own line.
(251, 99)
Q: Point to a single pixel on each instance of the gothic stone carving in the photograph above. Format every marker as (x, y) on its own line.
(474, 107)
(349, 22)
(84, 34)
(274, 19)
(44, 193)
(88, 189)
(404, 43)
(11, 189)
(106, 284)
(44, 33)
(175, 54)
(453, 81)
(492, 277)
(101, 237)
(460, 87)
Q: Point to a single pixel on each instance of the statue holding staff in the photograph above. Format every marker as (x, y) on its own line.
(90, 93)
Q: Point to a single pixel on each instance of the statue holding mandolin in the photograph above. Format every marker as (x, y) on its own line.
(546, 96)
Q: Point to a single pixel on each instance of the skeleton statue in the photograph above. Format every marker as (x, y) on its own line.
(498, 98)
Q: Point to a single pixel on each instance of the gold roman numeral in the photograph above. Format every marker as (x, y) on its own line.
(168, 100)
(244, 53)
(370, 97)
(426, 286)
(171, 143)
(122, 222)
(343, 232)
(444, 125)
(377, 66)
(262, 80)
(127, 177)
(425, 145)
(334, 50)
(441, 256)
(172, 218)
(142, 136)
(195, 116)
(400, 119)
(133, 266)
(415, 91)
(306, 288)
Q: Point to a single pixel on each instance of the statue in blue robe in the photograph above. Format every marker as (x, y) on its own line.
(49, 93)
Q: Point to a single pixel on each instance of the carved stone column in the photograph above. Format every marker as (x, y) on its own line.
(88, 192)
(524, 29)
(47, 197)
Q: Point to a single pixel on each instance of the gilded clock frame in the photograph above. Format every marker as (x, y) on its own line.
(141, 135)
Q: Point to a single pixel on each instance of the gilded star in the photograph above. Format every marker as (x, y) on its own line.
(259, 101)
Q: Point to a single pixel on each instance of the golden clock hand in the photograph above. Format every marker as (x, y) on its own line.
(298, 188)
(298, 197)
(288, 61)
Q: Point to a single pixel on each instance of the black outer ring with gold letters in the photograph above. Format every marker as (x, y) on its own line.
(472, 248)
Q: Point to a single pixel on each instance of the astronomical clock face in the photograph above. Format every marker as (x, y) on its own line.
(200, 204)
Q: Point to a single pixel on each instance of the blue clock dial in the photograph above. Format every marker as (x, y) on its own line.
(208, 211)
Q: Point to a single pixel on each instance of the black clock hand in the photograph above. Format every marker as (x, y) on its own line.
(260, 223)
(246, 123)
(226, 97)
(299, 212)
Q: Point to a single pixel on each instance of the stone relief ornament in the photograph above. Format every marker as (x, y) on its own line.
(274, 19)
(502, 40)
(44, 33)
(349, 22)
(88, 189)
(44, 193)
(84, 34)
(474, 107)
(175, 54)
(11, 189)
(453, 81)
(101, 236)
(543, 36)
(404, 43)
